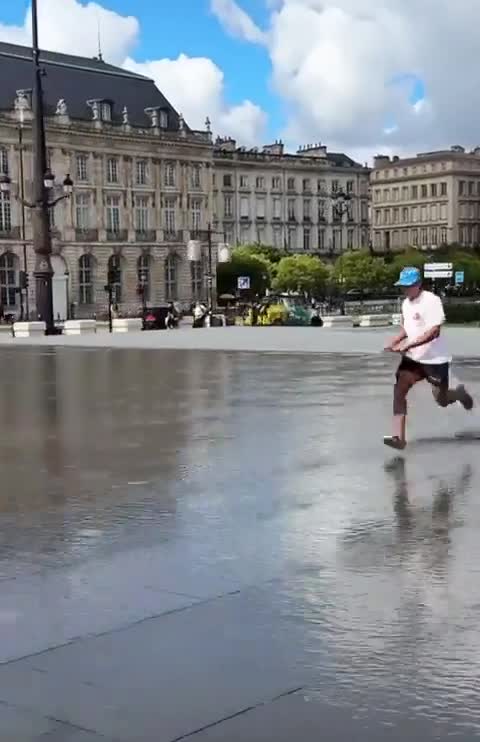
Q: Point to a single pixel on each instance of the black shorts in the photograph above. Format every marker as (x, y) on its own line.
(437, 374)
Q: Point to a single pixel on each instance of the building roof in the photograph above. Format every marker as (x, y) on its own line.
(78, 80)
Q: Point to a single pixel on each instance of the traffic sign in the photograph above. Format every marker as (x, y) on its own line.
(243, 283)
(459, 278)
(435, 267)
(438, 274)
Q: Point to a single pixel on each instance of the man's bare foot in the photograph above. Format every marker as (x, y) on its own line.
(465, 399)
(393, 441)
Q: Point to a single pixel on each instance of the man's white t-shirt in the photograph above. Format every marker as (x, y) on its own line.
(420, 315)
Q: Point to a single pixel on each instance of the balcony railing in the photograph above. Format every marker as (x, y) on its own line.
(145, 235)
(13, 233)
(119, 235)
(86, 235)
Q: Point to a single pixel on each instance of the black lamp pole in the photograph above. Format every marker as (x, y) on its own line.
(42, 243)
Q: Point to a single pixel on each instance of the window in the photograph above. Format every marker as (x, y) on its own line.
(260, 183)
(307, 210)
(169, 212)
(423, 214)
(171, 288)
(291, 209)
(260, 208)
(415, 237)
(196, 275)
(244, 235)
(322, 186)
(337, 240)
(277, 208)
(396, 238)
(82, 168)
(164, 119)
(228, 206)
(3, 161)
(386, 216)
(405, 193)
(112, 170)
(424, 236)
(378, 216)
(113, 213)
(196, 212)
(227, 181)
(335, 186)
(141, 213)
(170, 174)
(443, 212)
(434, 235)
(350, 236)
(8, 279)
(350, 186)
(433, 212)
(386, 194)
(424, 191)
(471, 188)
(244, 181)
(433, 190)
(321, 211)
(244, 208)
(443, 236)
(306, 239)
(196, 176)
(141, 172)
(405, 215)
(260, 235)
(115, 277)
(321, 239)
(85, 279)
(143, 275)
(414, 214)
(276, 183)
(291, 184)
(461, 187)
(106, 111)
(82, 211)
(443, 189)
(395, 194)
(396, 216)
(307, 185)
(277, 237)
(414, 192)
(404, 238)
(292, 238)
(5, 212)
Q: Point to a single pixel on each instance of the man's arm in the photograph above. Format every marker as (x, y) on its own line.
(427, 337)
(393, 345)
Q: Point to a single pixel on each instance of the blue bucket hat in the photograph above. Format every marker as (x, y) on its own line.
(409, 277)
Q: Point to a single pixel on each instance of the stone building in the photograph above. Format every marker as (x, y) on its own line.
(142, 180)
(426, 201)
(290, 200)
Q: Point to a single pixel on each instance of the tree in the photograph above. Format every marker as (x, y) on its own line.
(272, 254)
(359, 270)
(244, 263)
(304, 273)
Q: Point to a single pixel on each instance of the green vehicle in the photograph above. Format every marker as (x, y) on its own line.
(283, 310)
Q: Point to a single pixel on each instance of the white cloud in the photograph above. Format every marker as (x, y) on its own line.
(345, 69)
(236, 21)
(195, 86)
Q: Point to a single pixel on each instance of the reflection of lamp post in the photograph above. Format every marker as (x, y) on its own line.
(194, 255)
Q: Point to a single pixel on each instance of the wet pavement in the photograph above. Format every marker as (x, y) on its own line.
(217, 546)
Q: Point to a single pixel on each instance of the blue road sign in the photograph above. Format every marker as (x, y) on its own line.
(459, 277)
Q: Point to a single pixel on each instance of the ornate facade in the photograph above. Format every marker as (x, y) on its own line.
(142, 180)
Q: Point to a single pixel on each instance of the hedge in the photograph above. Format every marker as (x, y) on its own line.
(462, 313)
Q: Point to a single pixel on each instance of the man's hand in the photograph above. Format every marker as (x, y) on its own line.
(393, 347)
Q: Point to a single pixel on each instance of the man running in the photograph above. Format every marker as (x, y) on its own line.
(424, 354)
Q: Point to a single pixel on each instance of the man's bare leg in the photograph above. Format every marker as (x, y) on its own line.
(445, 397)
(398, 440)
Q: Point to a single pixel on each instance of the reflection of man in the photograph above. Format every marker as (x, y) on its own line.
(424, 354)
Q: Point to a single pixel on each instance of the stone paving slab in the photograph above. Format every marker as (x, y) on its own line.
(167, 677)
(464, 341)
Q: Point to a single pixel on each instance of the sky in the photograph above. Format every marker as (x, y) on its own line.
(361, 76)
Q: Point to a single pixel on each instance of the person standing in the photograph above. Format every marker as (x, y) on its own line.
(424, 354)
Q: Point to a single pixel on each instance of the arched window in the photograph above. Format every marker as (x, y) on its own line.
(115, 277)
(171, 287)
(85, 279)
(197, 273)
(8, 279)
(143, 274)
(3, 161)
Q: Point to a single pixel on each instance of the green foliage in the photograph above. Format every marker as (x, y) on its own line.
(244, 263)
(359, 270)
(462, 313)
(304, 273)
(272, 254)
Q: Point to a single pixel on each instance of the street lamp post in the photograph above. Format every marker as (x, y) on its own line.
(194, 255)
